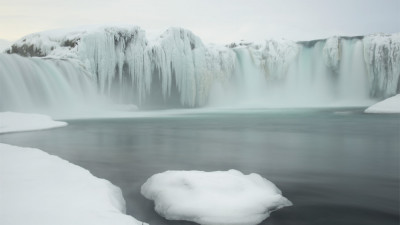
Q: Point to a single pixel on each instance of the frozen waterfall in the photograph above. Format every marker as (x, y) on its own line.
(67, 69)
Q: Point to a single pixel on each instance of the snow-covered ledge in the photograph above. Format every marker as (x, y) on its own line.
(389, 105)
(38, 188)
(15, 122)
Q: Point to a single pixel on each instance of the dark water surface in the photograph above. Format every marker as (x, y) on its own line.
(336, 167)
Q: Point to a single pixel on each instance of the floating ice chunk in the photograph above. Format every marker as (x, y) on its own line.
(211, 198)
(38, 188)
(14, 122)
(389, 105)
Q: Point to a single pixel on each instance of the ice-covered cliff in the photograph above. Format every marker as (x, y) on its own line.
(129, 65)
(176, 69)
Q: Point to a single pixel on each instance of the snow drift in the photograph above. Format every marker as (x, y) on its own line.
(211, 198)
(15, 122)
(38, 188)
(389, 105)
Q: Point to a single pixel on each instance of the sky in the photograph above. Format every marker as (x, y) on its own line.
(216, 21)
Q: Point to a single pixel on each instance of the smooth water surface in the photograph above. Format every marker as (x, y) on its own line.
(338, 166)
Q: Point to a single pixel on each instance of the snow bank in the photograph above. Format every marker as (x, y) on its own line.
(14, 122)
(221, 197)
(389, 105)
(38, 188)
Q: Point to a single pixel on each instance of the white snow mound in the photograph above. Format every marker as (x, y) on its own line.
(211, 198)
(38, 188)
(389, 105)
(14, 122)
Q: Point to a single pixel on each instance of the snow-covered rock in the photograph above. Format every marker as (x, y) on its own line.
(38, 188)
(389, 105)
(14, 122)
(211, 198)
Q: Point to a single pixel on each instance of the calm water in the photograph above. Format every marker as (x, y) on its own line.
(336, 166)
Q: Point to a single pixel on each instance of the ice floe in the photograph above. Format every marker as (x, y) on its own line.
(211, 198)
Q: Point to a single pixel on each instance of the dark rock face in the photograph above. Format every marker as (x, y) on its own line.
(70, 43)
(26, 50)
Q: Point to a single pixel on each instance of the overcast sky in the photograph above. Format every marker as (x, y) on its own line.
(218, 21)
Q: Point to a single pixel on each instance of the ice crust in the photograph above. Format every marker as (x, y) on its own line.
(211, 198)
(38, 188)
(389, 105)
(14, 122)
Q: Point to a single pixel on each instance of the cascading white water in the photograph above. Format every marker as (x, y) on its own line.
(308, 79)
(176, 69)
(40, 85)
(353, 81)
(251, 83)
(313, 80)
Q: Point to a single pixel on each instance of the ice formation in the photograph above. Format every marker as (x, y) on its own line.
(331, 53)
(389, 105)
(124, 58)
(176, 69)
(38, 188)
(274, 57)
(382, 59)
(14, 122)
(211, 198)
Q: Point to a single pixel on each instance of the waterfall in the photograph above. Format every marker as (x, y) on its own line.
(72, 69)
(312, 74)
(43, 85)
